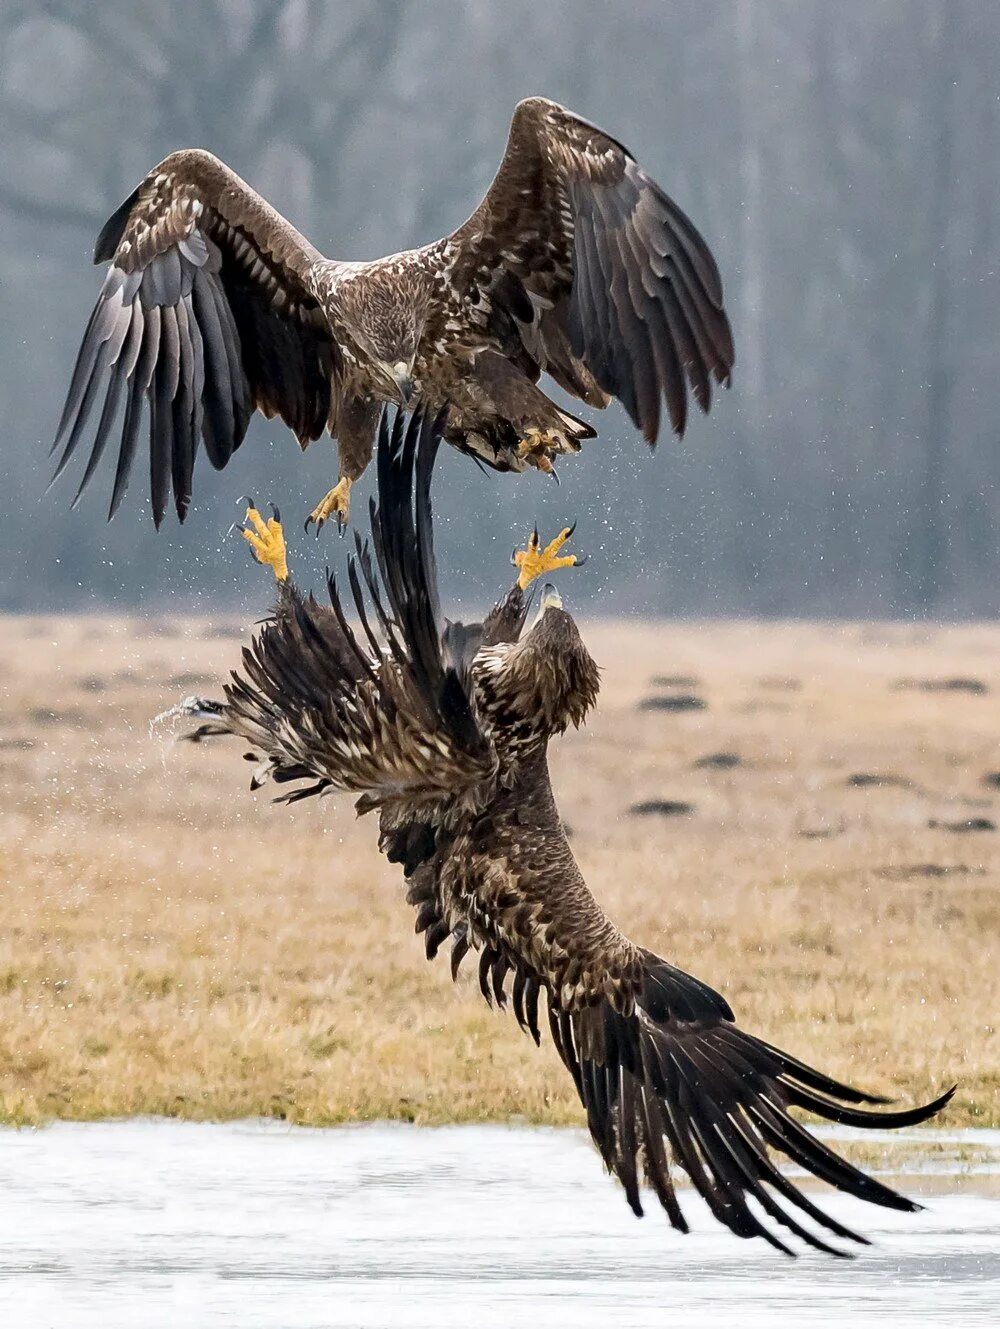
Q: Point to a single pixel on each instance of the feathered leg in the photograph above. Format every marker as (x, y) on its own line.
(356, 426)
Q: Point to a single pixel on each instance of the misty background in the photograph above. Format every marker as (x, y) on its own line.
(841, 161)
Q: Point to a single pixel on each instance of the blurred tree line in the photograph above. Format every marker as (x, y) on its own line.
(840, 159)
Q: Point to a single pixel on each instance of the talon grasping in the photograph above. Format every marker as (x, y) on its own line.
(266, 541)
(539, 446)
(534, 561)
(337, 501)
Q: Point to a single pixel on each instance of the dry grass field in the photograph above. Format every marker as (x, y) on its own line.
(170, 943)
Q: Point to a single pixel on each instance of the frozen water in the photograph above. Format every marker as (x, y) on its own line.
(143, 1224)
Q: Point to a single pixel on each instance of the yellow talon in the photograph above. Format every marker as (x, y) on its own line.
(267, 542)
(338, 501)
(534, 561)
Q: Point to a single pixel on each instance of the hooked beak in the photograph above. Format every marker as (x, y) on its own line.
(403, 381)
(551, 599)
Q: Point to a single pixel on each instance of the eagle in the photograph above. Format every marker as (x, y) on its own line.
(575, 264)
(443, 729)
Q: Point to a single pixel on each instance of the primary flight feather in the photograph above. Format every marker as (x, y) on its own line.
(444, 728)
(575, 264)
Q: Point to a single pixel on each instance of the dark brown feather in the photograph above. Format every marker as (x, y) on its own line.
(572, 220)
(239, 324)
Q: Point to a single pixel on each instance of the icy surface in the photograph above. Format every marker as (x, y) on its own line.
(158, 1223)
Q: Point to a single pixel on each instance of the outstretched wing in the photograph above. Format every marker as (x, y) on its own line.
(610, 287)
(207, 312)
(393, 718)
(664, 1073)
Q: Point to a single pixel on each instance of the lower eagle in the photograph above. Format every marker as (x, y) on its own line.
(575, 264)
(443, 728)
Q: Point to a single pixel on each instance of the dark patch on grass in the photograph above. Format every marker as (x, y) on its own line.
(878, 780)
(718, 761)
(186, 680)
(44, 716)
(92, 683)
(964, 825)
(680, 701)
(929, 871)
(661, 807)
(820, 832)
(973, 686)
(675, 681)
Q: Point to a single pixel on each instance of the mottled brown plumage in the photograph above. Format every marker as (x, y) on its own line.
(444, 729)
(574, 264)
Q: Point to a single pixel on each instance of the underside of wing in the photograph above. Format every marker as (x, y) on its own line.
(207, 313)
(610, 286)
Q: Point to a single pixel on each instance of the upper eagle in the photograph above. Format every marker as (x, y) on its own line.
(444, 728)
(575, 264)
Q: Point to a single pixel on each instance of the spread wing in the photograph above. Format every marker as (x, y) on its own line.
(611, 289)
(207, 312)
(391, 718)
(664, 1073)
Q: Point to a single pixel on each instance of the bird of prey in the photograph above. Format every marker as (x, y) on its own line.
(575, 264)
(443, 728)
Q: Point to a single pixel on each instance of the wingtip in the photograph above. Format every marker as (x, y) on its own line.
(942, 1100)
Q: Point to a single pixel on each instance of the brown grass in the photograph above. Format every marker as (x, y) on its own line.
(171, 944)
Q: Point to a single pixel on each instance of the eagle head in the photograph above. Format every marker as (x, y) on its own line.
(393, 342)
(385, 311)
(556, 668)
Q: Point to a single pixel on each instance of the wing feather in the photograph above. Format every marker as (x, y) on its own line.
(659, 1064)
(138, 388)
(237, 320)
(398, 724)
(604, 256)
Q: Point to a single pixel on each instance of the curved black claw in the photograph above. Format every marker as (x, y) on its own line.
(275, 514)
(245, 500)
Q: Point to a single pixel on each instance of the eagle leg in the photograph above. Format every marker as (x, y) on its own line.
(337, 501)
(267, 541)
(534, 561)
